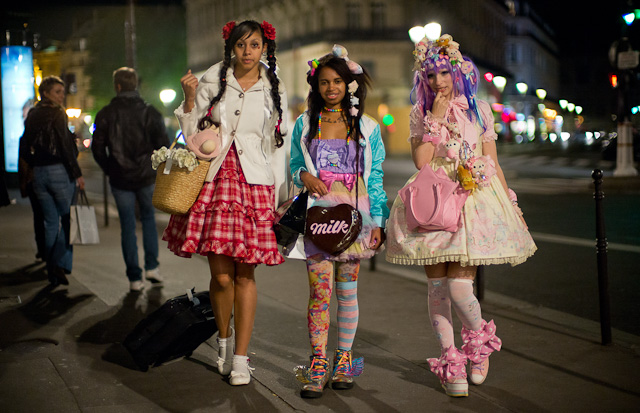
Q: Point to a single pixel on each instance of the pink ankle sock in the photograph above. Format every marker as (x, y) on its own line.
(440, 311)
(465, 303)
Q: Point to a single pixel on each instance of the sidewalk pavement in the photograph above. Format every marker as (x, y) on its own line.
(60, 347)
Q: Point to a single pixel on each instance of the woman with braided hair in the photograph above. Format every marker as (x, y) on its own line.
(231, 221)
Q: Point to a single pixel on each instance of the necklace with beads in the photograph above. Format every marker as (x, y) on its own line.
(320, 123)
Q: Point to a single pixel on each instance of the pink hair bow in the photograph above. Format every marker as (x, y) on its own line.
(341, 51)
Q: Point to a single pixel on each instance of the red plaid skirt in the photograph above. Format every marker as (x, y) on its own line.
(230, 217)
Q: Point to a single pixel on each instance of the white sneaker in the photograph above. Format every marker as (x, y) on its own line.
(136, 286)
(154, 276)
(226, 348)
(241, 371)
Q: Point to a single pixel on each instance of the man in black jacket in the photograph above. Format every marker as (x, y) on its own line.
(127, 131)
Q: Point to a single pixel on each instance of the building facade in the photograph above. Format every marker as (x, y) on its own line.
(375, 32)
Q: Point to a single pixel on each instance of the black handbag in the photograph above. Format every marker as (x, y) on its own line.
(290, 219)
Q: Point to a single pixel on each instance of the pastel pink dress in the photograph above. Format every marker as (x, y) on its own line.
(491, 230)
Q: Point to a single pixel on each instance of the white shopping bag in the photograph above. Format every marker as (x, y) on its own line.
(84, 226)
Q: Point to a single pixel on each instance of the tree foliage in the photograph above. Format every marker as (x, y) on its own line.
(160, 52)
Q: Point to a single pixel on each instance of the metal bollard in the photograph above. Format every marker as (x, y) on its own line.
(480, 283)
(601, 248)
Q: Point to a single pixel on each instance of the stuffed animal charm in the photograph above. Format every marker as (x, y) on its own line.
(453, 149)
(466, 179)
(482, 169)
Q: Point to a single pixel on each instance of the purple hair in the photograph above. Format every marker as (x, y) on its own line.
(463, 84)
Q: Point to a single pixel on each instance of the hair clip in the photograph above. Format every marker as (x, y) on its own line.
(313, 64)
(341, 51)
(353, 100)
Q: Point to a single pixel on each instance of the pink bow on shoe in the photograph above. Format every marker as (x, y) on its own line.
(478, 345)
(451, 364)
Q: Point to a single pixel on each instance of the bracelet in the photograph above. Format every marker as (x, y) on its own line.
(433, 125)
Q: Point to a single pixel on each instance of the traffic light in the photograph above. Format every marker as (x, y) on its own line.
(631, 16)
(613, 80)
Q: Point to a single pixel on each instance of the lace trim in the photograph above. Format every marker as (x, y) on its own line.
(462, 259)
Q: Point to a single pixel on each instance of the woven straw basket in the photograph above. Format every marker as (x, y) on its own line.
(176, 192)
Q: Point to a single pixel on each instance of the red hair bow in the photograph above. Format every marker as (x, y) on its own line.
(227, 29)
(268, 30)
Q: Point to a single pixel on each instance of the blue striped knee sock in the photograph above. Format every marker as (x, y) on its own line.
(347, 293)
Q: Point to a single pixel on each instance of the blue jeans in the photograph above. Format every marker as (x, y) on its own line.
(55, 191)
(126, 203)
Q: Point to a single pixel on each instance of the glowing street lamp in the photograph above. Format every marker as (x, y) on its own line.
(432, 31)
(167, 96)
(416, 33)
(500, 82)
(74, 112)
(563, 103)
(629, 18)
(570, 107)
(541, 94)
(522, 87)
(578, 110)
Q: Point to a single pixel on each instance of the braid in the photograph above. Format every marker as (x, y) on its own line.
(275, 88)
(207, 120)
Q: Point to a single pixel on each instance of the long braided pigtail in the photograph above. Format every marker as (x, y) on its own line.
(207, 120)
(275, 89)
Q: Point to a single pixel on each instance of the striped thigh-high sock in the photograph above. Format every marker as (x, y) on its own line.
(320, 287)
(347, 294)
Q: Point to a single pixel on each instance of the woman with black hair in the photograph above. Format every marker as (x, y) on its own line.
(231, 221)
(337, 155)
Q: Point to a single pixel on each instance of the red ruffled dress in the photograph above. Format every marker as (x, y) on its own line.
(230, 217)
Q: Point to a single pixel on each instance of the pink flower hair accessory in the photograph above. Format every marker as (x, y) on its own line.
(227, 29)
(268, 30)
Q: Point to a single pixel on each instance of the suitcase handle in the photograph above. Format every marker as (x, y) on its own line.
(193, 299)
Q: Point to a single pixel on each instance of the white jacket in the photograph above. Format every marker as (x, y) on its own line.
(254, 116)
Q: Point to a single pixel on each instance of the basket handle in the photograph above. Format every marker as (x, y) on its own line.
(175, 140)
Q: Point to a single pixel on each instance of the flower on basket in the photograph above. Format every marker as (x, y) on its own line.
(184, 158)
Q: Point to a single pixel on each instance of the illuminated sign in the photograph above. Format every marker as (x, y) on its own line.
(17, 98)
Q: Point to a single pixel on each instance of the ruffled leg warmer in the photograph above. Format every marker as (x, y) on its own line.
(477, 347)
(450, 369)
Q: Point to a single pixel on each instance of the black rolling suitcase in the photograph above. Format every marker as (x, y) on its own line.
(174, 330)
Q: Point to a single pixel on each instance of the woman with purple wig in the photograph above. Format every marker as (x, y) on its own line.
(451, 130)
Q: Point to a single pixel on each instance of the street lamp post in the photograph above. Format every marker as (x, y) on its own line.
(625, 60)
